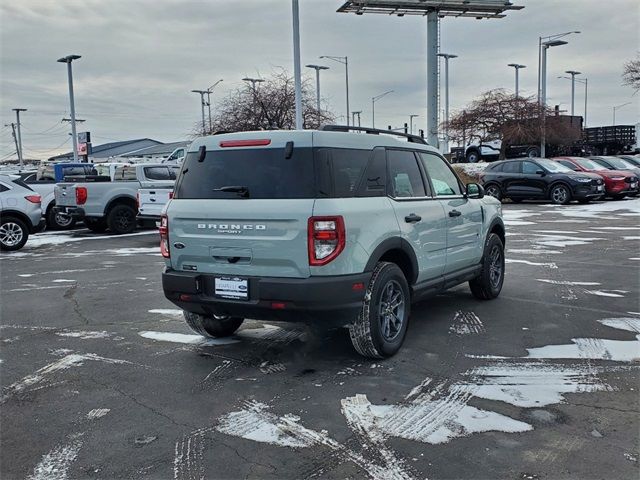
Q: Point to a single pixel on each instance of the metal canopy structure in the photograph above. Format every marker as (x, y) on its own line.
(451, 8)
(433, 10)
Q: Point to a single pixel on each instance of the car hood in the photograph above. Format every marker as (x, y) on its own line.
(593, 176)
(615, 173)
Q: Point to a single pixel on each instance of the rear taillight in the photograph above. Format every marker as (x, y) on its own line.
(81, 195)
(326, 239)
(34, 198)
(170, 195)
(164, 236)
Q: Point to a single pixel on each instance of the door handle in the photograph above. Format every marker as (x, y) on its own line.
(412, 218)
(455, 213)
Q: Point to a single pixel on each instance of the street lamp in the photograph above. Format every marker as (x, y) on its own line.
(411, 117)
(209, 92)
(68, 59)
(297, 73)
(573, 74)
(253, 81)
(19, 137)
(317, 68)
(202, 103)
(554, 42)
(586, 95)
(345, 62)
(517, 67)
(353, 118)
(373, 106)
(617, 108)
(446, 57)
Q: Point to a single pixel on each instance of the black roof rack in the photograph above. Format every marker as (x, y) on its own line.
(373, 131)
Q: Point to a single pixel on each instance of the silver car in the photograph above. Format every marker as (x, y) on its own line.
(20, 213)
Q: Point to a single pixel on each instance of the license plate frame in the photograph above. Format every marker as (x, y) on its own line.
(231, 288)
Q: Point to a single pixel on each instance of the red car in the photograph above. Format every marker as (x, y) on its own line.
(617, 183)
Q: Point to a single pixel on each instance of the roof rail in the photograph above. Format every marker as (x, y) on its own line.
(373, 131)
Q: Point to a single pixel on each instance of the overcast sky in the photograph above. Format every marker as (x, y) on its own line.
(141, 58)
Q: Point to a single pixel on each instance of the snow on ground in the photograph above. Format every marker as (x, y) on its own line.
(56, 238)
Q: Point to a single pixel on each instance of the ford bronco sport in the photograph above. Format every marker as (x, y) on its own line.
(328, 226)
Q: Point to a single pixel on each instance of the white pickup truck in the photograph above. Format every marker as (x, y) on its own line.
(112, 205)
(151, 203)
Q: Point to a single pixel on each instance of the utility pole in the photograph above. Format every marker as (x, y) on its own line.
(20, 156)
(411, 117)
(68, 59)
(297, 73)
(202, 94)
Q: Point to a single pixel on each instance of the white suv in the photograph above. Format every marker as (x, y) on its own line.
(324, 226)
(20, 213)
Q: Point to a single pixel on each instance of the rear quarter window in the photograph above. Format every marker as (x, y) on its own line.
(125, 173)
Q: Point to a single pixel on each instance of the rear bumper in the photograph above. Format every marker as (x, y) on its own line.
(74, 212)
(327, 299)
(148, 219)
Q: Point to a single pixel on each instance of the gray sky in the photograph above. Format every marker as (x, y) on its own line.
(141, 58)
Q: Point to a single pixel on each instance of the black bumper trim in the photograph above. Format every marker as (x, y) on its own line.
(74, 212)
(330, 298)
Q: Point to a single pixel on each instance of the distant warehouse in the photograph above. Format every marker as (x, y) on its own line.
(141, 149)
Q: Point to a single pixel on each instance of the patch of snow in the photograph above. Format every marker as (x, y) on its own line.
(566, 282)
(466, 323)
(605, 293)
(535, 264)
(62, 280)
(38, 240)
(97, 413)
(186, 339)
(167, 311)
(630, 324)
(86, 335)
(533, 251)
(55, 464)
(591, 349)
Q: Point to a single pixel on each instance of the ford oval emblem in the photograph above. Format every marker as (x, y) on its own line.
(179, 245)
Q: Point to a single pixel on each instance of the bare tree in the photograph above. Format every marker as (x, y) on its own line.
(498, 115)
(269, 105)
(631, 73)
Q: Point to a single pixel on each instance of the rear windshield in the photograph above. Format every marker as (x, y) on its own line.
(159, 173)
(248, 173)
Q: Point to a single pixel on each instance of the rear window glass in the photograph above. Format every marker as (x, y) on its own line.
(78, 171)
(159, 173)
(263, 173)
(46, 173)
(125, 172)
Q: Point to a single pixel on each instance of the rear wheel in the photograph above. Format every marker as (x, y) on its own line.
(533, 152)
(493, 191)
(560, 194)
(473, 156)
(381, 325)
(121, 219)
(58, 221)
(488, 284)
(97, 225)
(216, 326)
(13, 233)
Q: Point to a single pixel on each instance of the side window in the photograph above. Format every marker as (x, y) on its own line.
(159, 173)
(125, 172)
(3, 187)
(374, 180)
(496, 168)
(443, 180)
(31, 178)
(339, 170)
(530, 168)
(511, 167)
(405, 179)
(569, 165)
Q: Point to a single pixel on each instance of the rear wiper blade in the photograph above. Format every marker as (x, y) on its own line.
(239, 189)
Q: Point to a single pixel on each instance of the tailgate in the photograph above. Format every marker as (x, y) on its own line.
(151, 201)
(241, 237)
(65, 194)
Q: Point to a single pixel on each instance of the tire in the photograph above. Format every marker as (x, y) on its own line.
(473, 156)
(96, 225)
(533, 152)
(488, 284)
(56, 221)
(493, 190)
(560, 194)
(374, 335)
(121, 219)
(13, 233)
(212, 327)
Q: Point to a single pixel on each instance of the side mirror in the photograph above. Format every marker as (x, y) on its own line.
(541, 173)
(473, 190)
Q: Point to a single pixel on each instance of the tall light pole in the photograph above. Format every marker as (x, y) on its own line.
(317, 68)
(446, 57)
(68, 59)
(586, 96)
(373, 106)
(573, 74)
(253, 81)
(618, 107)
(543, 91)
(345, 62)
(297, 71)
(411, 117)
(202, 103)
(540, 42)
(19, 137)
(517, 68)
(209, 92)
(353, 119)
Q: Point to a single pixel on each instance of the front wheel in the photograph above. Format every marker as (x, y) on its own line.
(560, 195)
(488, 284)
(381, 325)
(473, 156)
(213, 327)
(13, 234)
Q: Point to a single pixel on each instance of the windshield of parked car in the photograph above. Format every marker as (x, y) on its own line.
(553, 167)
(619, 164)
(590, 164)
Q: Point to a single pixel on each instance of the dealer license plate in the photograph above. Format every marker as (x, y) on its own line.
(600, 188)
(634, 185)
(232, 287)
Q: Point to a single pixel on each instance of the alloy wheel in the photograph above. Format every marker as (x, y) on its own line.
(10, 234)
(559, 195)
(495, 266)
(493, 192)
(391, 310)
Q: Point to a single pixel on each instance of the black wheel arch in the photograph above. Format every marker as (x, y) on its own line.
(19, 215)
(497, 227)
(399, 251)
(121, 200)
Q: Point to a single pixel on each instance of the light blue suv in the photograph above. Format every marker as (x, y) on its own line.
(340, 225)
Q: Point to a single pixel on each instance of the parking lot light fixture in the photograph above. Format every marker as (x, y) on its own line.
(553, 42)
(68, 59)
(345, 62)
(446, 57)
(411, 117)
(317, 68)
(517, 67)
(584, 81)
(540, 41)
(618, 107)
(373, 106)
(202, 93)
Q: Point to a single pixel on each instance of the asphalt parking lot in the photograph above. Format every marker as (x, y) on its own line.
(101, 377)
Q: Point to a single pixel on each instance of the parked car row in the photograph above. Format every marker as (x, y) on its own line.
(563, 179)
